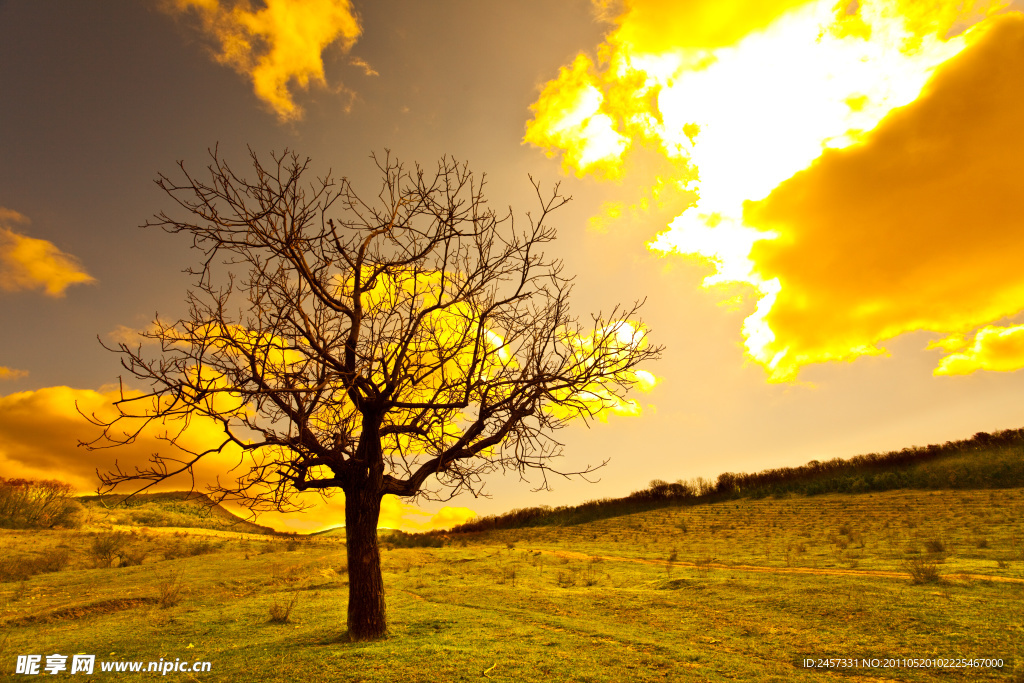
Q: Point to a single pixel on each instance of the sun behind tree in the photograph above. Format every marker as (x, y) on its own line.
(406, 346)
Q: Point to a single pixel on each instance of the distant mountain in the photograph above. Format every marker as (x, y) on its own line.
(169, 509)
(333, 531)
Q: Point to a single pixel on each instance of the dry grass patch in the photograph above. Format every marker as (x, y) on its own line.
(21, 568)
(169, 591)
(280, 613)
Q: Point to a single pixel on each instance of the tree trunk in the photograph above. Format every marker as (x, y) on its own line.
(366, 616)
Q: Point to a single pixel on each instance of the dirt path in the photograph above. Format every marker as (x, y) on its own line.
(774, 570)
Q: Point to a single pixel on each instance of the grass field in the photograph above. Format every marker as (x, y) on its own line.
(737, 590)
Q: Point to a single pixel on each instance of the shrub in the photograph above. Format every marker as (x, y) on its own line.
(281, 614)
(400, 539)
(508, 574)
(105, 547)
(71, 515)
(174, 551)
(590, 571)
(202, 547)
(198, 547)
(922, 571)
(935, 545)
(130, 557)
(170, 591)
(53, 560)
(37, 504)
(15, 570)
(20, 569)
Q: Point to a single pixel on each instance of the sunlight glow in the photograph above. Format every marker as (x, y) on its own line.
(748, 110)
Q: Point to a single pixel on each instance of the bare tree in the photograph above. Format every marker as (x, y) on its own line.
(405, 346)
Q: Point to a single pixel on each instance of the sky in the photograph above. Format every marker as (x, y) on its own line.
(820, 204)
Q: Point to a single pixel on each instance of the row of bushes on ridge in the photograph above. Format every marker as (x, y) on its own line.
(984, 461)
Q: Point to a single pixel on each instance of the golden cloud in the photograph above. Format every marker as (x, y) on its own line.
(8, 216)
(362, 64)
(570, 117)
(30, 263)
(612, 343)
(40, 430)
(659, 26)
(279, 44)
(9, 373)
(447, 517)
(129, 336)
(999, 349)
(853, 163)
(921, 227)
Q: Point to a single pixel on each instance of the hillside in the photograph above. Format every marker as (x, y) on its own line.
(740, 589)
(743, 578)
(985, 461)
(168, 509)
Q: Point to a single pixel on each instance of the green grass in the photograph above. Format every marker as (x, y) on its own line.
(755, 586)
